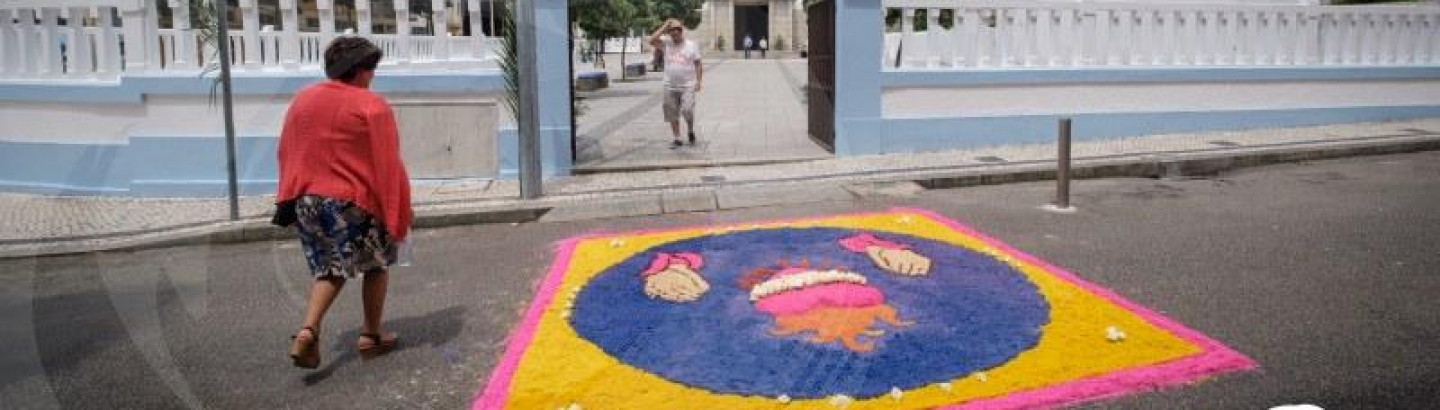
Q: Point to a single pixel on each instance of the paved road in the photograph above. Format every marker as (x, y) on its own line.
(1325, 273)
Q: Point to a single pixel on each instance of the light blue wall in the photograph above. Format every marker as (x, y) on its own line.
(132, 89)
(940, 134)
(919, 78)
(181, 165)
(858, 45)
(552, 32)
(862, 128)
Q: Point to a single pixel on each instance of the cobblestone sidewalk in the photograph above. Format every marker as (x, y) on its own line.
(28, 219)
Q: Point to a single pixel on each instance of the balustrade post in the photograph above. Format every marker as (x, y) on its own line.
(932, 37)
(362, 18)
(1044, 44)
(25, 44)
(1104, 45)
(79, 52)
(326, 10)
(136, 45)
(250, 24)
(1387, 53)
(440, 43)
(1429, 32)
(290, 38)
(402, 32)
(907, 33)
(971, 36)
(184, 35)
(7, 41)
(50, 65)
(1405, 50)
(107, 45)
(477, 25)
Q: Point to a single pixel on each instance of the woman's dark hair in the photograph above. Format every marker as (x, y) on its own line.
(347, 56)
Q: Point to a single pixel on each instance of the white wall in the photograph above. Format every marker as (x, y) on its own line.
(1108, 98)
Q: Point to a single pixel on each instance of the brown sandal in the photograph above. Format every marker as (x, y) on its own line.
(305, 353)
(378, 345)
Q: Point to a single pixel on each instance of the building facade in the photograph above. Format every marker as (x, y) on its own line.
(725, 23)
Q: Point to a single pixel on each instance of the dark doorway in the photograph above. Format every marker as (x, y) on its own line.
(753, 21)
(820, 92)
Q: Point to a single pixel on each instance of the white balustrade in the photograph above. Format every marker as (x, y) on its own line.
(989, 34)
(83, 39)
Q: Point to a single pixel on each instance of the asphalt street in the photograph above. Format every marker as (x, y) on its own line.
(1325, 273)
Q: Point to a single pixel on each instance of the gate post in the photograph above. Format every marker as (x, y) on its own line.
(544, 119)
(858, 56)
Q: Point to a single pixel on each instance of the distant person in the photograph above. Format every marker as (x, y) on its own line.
(345, 189)
(763, 46)
(748, 45)
(683, 75)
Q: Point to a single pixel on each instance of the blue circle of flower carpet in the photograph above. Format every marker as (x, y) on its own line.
(970, 313)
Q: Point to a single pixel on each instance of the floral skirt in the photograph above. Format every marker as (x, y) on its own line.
(340, 239)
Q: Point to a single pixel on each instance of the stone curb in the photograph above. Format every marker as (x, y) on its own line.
(1148, 165)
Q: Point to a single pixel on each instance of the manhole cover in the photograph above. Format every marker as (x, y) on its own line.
(712, 178)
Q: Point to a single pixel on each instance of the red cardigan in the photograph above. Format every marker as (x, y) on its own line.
(340, 141)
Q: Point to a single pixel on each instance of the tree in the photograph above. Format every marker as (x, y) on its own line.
(605, 19)
(688, 11)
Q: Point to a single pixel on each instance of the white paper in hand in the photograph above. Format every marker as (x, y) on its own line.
(406, 254)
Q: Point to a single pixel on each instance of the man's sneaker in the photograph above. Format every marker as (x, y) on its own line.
(692, 139)
(676, 144)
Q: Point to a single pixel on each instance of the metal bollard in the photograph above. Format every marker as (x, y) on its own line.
(1062, 170)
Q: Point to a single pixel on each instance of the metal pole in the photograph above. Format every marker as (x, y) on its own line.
(529, 115)
(1062, 170)
(222, 19)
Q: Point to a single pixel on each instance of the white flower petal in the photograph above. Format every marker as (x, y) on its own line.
(945, 386)
(896, 394)
(784, 398)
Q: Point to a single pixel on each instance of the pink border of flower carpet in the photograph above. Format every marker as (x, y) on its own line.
(1215, 357)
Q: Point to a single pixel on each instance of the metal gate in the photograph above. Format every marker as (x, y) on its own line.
(820, 90)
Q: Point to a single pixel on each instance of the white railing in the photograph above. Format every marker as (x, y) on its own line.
(84, 39)
(988, 34)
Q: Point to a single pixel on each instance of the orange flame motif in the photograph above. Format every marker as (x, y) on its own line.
(833, 312)
(844, 325)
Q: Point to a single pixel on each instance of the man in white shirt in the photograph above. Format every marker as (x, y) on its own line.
(764, 45)
(683, 74)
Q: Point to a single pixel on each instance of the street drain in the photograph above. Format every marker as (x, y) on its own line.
(1224, 143)
(711, 178)
(990, 159)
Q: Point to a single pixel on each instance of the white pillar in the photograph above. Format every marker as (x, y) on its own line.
(50, 65)
(402, 32)
(440, 44)
(1045, 36)
(477, 35)
(250, 23)
(326, 9)
(137, 44)
(362, 19)
(7, 41)
(932, 37)
(184, 34)
(107, 45)
(290, 39)
(79, 52)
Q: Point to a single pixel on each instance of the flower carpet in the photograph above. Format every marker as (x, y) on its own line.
(902, 309)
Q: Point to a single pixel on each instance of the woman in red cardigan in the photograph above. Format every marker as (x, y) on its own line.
(340, 164)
